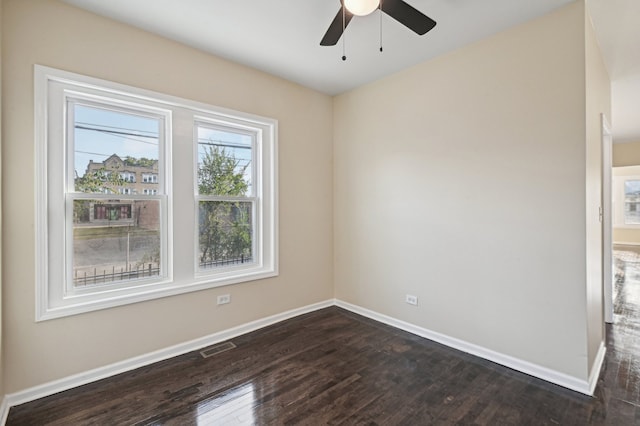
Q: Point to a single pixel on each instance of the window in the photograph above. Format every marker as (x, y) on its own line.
(226, 201)
(149, 178)
(123, 243)
(127, 176)
(235, 201)
(632, 202)
(625, 193)
(105, 238)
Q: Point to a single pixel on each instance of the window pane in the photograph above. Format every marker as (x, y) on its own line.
(225, 233)
(632, 202)
(114, 151)
(224, 162)
(115, 240)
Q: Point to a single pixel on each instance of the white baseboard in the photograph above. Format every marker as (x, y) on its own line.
(80, 379)
(4, 411)
(596, 367)
(526, 367)
(628, 243)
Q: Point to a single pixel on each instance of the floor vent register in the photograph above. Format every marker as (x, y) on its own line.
(216, 349)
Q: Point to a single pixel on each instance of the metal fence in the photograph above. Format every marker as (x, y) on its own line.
(225, 262)
(131, 272)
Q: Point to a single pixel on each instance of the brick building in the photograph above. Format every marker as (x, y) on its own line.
(139, 177)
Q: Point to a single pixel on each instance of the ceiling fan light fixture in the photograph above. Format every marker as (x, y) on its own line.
(361, 7)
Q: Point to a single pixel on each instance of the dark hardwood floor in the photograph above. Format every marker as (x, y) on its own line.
(335, 367)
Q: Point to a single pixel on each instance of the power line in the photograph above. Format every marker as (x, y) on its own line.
(122, 135)
(117, 127)
(226, 144)
(93, 153)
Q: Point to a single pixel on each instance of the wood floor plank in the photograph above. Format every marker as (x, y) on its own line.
(336, 367)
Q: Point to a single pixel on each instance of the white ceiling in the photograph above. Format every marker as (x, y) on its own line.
(282, 37)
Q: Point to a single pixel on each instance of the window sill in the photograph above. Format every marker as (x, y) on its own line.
(83, 303)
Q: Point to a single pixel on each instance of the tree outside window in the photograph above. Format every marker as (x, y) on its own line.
(225, 225)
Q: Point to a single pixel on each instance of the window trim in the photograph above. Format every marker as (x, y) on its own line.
(181, 278)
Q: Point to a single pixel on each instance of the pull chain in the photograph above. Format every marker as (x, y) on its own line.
(344, 36)
(380, 8)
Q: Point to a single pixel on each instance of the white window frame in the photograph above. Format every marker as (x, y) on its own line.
(180, 208)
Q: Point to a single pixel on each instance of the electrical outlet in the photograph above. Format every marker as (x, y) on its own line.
(412, 300)
(223, 299)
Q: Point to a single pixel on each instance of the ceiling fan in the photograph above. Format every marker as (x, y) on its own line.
(399, 10)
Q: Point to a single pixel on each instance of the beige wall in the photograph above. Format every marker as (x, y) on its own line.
(54, 34)
(626, 154)
(462, 181)
(626, 236)
(598, 102)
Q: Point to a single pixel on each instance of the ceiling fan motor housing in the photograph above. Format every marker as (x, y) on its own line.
(361, 7)
(399, 10)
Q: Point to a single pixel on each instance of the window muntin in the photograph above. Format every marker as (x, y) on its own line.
(60, 207)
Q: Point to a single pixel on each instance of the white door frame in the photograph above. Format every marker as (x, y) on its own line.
(607, 225)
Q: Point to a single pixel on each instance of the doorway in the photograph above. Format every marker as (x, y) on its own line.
(625, 236)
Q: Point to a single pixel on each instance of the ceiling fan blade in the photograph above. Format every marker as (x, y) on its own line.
(335, 29)
(409, 16)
